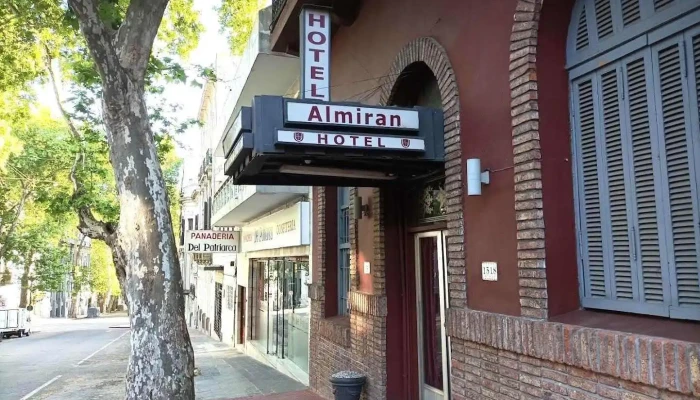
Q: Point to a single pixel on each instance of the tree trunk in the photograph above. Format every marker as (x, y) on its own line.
(13, 225)
(161, 363)
(73, 310)
(24, 282)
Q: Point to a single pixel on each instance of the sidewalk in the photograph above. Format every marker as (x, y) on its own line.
(225, 373)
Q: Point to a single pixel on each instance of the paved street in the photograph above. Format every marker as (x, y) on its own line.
(86, 359)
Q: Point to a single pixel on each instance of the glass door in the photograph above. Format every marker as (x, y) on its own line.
(431, 288)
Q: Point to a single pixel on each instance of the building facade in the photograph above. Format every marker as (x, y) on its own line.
(575, 274)
(267, 290)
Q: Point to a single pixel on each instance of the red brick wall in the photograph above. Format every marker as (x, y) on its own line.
(494, 355)
(497, 356)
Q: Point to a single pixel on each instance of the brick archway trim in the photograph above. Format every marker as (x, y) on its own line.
(431, 53)
(527, 160)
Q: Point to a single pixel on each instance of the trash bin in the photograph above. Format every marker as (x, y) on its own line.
(347, 385)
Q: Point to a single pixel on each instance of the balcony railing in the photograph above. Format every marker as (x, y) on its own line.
(277, 7)
(229, 192)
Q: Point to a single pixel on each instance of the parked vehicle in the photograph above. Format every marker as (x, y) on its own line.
(15, 321)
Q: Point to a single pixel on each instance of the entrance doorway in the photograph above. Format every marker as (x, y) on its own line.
(431, 301)
(241, 314)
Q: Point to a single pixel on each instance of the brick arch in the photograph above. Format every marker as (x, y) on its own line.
(527, 159)
(431, 53)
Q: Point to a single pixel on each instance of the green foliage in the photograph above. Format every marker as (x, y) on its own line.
(6, 277)
(237, 18)
(180, 28)
(103, 278)
(51, 266)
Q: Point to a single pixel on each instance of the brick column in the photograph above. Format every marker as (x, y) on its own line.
(526, 160)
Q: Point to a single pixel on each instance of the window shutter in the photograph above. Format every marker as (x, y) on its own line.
(647, 252)
(681, 188)
(603, 18)
(630, 11)
(620, 267)
(582, 30)
(590, 225)
(661, 3)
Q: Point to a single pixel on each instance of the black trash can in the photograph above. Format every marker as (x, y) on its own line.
(347, 385)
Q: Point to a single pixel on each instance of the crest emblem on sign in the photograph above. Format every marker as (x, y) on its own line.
(405, 143)
(298, 136)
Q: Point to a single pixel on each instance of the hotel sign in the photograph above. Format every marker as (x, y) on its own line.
(333, 139)
(307, 113)
(201, 241)
(328, 136)
(315, 53)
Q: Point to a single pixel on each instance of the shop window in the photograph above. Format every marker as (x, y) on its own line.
(637, 172)
(280, 309)
(343, 249)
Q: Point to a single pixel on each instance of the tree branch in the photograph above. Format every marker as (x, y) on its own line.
(88, 225)
(93, 228)
(137, 33)
(57, 94)
(97, 36)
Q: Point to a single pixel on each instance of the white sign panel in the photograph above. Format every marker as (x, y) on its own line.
(315, 54)
(489, 271)
(285, 228)
(330, 139)
(212, 242)
(362, 117)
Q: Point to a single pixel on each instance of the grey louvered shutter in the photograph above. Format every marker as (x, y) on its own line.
(659, 4)
(631, 11)
(590, 221)
(616, 222)
(603, 18)
(678, 157)
(649, 262)
(582, 30)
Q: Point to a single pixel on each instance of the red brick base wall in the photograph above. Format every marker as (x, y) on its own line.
(480, 371)
(496, 356)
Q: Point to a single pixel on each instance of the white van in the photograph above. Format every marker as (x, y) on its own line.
(15, 321)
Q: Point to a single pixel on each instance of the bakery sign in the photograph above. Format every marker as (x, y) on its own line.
(208, 241)
(286, 228)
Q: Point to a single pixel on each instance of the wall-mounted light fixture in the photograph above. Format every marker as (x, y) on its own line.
(475, 177)
(362, 210)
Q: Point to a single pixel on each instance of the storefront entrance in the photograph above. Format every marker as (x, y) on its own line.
(431, 284)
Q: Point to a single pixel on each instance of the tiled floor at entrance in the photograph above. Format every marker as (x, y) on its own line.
(225, 373)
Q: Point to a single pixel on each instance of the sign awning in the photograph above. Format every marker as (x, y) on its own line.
(284, 141)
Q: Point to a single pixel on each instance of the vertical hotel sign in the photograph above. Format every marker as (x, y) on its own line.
(315, 26)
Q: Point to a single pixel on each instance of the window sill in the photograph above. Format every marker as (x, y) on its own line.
(686, 331)
(336, 329)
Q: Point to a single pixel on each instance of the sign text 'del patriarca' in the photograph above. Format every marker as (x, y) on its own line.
(211, 242)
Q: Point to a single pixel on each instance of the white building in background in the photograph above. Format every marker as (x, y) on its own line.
(266, 285)
(256, 299)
